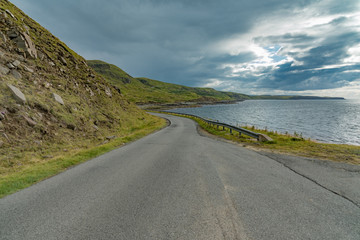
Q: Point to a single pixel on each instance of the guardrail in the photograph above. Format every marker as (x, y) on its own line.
(260, 137)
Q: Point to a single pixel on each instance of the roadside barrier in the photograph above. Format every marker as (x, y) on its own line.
(260, 137)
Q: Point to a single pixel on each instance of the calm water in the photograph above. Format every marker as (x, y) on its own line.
(333, 121)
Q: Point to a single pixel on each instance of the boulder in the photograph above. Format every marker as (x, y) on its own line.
(4, 70)
(10, 65)
(264, 138)
(58, 98)
(30, 70)
(10, 13)
(19, 96)
(24, 42)
(16, 63)
(52, 64)
(30, 122)
(16, 74)
(41, 55)
(63, 61)
(12, 34)
(108, 92)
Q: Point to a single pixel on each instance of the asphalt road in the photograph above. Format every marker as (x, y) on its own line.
(177, 184)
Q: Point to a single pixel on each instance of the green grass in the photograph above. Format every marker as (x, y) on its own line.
(288, 144)
(15, 179)
(145, 90)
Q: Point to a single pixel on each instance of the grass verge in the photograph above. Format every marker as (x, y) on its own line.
(288, 144)
(15, 180)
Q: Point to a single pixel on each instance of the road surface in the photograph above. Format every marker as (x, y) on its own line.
(177, 184)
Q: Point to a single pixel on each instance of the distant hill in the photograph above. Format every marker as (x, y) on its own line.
(279, 97)
(144, 91)
(148, 91)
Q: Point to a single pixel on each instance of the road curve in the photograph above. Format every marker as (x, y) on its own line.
(176, 184)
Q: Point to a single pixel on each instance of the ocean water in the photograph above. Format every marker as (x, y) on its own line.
(331, 121)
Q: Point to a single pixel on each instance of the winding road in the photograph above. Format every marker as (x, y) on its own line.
(178, 184)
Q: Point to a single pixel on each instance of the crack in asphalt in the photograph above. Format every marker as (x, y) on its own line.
(314, 181)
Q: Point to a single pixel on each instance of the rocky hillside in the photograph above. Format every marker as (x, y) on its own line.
(145, 91)
(50, 99)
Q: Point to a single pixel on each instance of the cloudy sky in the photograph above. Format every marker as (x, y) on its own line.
(308, 47)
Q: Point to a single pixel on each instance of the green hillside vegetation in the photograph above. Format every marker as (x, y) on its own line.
(145, 91)
(86, 113)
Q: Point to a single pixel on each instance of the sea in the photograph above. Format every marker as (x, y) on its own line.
(329, 121)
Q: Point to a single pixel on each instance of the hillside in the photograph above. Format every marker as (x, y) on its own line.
(295, 97)
(147, 91)
(51, 101)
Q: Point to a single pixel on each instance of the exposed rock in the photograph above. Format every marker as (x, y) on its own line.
(16, 63)
(19, 96)
(41, 55)
(12, 34)
(16, 74)
(29, 121)
(58, 98)
(110, 137)
(2, 54)
(10, 13)
(52, 64)
(63, 61)
(10, 65)
(4, 70)
(264, 138)
(24, 42)
(2, 36)
(28, 69)
(6, 136)
(96, 127)
(90, 91)
(108, 92)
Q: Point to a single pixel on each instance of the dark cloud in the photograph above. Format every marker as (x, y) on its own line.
(174, 41)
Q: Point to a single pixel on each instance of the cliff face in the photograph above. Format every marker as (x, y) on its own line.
(49, 97)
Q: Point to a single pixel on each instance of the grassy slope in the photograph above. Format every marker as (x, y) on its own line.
(93, 109)
(144, 90)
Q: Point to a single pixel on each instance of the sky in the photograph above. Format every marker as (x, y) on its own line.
(277, 47)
